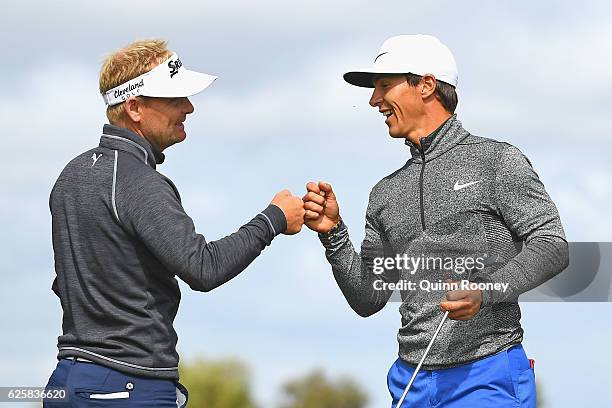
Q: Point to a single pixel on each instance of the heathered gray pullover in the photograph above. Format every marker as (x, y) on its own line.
(120, 236)
(460, 195)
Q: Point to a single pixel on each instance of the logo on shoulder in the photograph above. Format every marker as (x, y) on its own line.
(174, 66)
(95, 159)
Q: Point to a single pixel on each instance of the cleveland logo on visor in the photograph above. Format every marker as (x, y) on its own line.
(131, 89)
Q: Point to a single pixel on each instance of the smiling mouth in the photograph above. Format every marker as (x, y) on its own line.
(387, 114)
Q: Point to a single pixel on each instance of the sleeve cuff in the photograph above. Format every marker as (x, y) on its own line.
(275, 218)
(336, 237)
(485, 295)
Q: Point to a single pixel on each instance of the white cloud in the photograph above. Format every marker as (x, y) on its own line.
(276, 15)
(599, 185)
(311, 96)
(54, 115)
(549, 84)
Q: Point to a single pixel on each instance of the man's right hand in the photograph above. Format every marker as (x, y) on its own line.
(322, 210)
(293, 208)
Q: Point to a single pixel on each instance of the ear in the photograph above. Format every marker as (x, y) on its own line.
(133, 109)
(427, 86)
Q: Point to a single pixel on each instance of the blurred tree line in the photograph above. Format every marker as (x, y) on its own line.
(226, 384)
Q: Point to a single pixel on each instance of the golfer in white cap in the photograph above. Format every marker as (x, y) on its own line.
(121, 238)
(458, 194)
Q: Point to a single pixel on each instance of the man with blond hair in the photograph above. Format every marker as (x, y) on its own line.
(121, 237)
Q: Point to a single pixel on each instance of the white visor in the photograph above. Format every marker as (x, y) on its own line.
(167, 80)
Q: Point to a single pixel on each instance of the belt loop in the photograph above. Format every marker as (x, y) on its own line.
(182, 395)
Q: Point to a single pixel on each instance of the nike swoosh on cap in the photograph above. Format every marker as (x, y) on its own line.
(379, 55)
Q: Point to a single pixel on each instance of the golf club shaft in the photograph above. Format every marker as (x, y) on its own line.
(418, 367)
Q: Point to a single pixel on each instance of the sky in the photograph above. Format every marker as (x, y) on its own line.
(537, 75)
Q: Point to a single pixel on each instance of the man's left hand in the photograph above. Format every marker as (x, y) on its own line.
(462, 304)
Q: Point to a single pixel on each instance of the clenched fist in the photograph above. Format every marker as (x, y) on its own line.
(462, 304)
(322, 210)
(293, 208)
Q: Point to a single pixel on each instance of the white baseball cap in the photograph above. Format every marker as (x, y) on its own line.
(170, 79)
(417, 54)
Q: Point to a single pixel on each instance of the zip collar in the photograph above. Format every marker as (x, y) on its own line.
(444, 138)
(118, 138)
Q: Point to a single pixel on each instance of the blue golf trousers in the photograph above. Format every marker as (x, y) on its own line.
(92, 385)
(502, 380)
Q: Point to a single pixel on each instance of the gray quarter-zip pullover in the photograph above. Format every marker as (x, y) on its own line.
(120, 239)
(459, 195)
